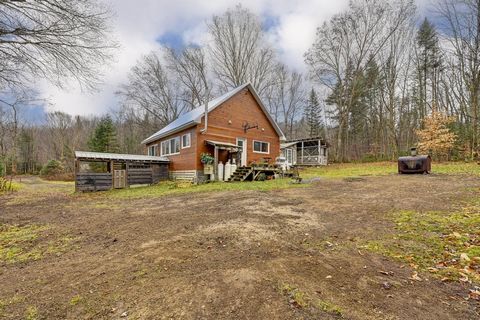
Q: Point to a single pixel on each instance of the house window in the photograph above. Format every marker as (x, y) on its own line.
(151, 150)
(170, 147)
(186, 140)
(261, 147)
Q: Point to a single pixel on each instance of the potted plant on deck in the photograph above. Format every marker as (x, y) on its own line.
(207, 160)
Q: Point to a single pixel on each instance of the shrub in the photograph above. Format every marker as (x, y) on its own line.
(7, 185)
(262, 177)
(52, 168)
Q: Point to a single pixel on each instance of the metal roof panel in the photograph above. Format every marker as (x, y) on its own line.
(118, 156)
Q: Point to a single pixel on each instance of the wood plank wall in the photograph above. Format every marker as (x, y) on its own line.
(89, 181)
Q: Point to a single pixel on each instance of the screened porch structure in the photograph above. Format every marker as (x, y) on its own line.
(305, 152)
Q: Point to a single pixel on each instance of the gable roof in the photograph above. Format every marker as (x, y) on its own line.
(194, 117)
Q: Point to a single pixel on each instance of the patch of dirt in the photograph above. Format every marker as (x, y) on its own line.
(223, 255)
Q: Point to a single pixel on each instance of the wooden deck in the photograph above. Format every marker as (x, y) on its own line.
(250, 173)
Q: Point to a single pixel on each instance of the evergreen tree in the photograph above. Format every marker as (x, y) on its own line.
(104, 138)
(428, 66)
(312, 115)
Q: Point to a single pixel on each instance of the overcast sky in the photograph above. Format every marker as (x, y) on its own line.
(143, 25)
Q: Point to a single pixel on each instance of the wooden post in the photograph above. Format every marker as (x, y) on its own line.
(302, 152)
(113, 174)
(75, 166)
(319, 151)
(126, 175)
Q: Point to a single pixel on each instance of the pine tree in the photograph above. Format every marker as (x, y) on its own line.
(104, 138)
(312, 115)
(428, 64)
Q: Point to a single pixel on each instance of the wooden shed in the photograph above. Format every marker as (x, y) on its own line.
(95, 171)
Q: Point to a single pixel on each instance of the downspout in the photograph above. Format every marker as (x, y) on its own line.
(204, 130)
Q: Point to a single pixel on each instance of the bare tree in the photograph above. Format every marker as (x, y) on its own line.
(10, 123)
(460, 20)
(53, 39)
(190, 66)
(151, 89)
(395, 73)
(59, 125)
(239, 50)
(344, 46)
(287, 98)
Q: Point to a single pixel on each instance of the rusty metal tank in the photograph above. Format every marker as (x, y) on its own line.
(415, 163)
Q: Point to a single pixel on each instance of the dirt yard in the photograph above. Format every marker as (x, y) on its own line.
(296, 253)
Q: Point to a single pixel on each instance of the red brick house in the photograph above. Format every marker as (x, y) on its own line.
(238, 127)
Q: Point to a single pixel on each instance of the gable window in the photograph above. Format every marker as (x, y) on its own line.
(151, 150)
(261, 146)
(186, 140)
(170, 146)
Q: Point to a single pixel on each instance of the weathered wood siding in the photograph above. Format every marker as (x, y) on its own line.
(152, 174)
(159, 172)
(93, 181)
(139, 176)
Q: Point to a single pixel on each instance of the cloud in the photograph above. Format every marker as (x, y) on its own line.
(141, 26)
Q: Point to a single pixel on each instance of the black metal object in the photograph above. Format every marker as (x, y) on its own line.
(415, 164)
(246, 126)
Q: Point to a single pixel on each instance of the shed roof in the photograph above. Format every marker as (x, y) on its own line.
(87, 155)
(194, 117)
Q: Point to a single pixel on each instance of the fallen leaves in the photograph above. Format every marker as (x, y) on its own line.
(475, 294)
(464, 258)
(415, 276)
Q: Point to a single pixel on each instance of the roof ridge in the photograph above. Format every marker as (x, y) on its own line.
(194, 116)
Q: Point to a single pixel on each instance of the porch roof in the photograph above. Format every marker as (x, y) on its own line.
(323, 142)
(223, 145)
(287, 144)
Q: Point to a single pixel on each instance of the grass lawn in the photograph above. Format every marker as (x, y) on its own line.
(29, 242)
(334, 171)
(7, 185)
(445, 243)
(169, 187)
(345, 170)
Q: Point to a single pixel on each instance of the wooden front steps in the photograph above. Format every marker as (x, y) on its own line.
(241, 174)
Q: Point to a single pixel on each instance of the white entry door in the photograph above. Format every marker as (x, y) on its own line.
(242, 144)
(289, 157)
